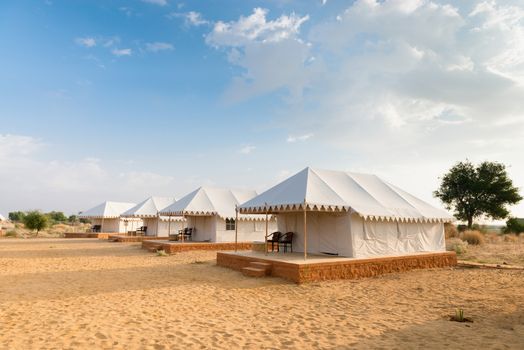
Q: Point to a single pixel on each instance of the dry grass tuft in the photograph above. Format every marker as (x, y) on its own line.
(161, 252)
(11, 233)
(493, 237)
(473, 237)
(456, 245)
(450, 231)
(512, 238)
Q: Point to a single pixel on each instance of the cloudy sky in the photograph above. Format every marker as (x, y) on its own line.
(120, 100)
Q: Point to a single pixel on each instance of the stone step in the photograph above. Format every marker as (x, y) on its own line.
(154, 248)
(261, 265)
(253, 272)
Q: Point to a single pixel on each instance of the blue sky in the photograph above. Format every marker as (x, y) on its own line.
(124, 99)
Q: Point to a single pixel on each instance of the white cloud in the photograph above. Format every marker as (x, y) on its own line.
(392, 85)
(292, 138)
(159, 46)
(195, 18)
(270, 53)
(156, 2)
(127, 10)
(191, 18)
(12, 146)
(247, 149)
(86, 42)
(122, 52)
(255, 27)
(28, 181)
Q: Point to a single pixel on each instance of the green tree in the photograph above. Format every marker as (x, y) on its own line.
(73, 219)
(57, 216)
(35, 220)
(16, 216)
(472, 191)
(514, 225)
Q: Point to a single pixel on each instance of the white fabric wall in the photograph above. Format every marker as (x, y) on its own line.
(351, 236)
(163, 227)
(205, 227)
(132, 224)
(248, 230)
(117, 225)
(326, 232)
(376, 238)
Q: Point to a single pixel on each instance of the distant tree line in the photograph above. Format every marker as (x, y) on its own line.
(38, 221)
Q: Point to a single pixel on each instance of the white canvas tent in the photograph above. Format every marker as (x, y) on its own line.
(148, 211)
(2, 218)
(351, 215)
(212, 212)
(107, 215)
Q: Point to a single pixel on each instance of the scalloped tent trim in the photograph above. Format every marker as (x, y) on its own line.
(341, 192)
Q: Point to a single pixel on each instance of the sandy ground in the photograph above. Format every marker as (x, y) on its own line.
(60, 294)
(499, 252)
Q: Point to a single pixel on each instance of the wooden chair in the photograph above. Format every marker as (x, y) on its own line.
(188, 233)
(142, 231)
(287, 239)
(274, 239)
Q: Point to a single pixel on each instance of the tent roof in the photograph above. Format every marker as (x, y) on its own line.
(107, 210)
(328, 190)
(149, 207)
(211, 201)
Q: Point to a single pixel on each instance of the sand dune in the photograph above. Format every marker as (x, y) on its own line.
(91, 294)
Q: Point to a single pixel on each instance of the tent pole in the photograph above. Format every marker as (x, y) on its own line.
(102, 225)
(305, 232)
(236, 227)
(267, 229)
(169, 225)
(157, 223)
(183, 228)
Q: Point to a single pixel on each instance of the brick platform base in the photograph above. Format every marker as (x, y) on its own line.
(86, 235)
(130, 239)
(339, 268)
(176, 247)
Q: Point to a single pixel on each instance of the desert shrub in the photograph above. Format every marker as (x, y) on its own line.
(456, 245)
(16, 216)
(161, 252)
(450, 231)
(473, 237)
(514, 225)
(11, 233)
(56, 217)
(511, 238)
